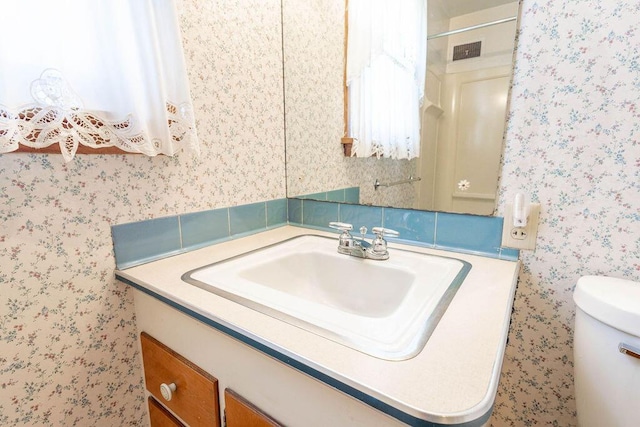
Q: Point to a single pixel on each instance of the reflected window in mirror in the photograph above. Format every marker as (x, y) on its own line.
(385, 76)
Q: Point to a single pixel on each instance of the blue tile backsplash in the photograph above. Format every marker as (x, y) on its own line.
(247, 218)
(140, 242)
(413, 226)
(200, 228)
(143, 241)
(473, 234)
(344, 195)
(319, 214)
(368, 216)
(276, 212)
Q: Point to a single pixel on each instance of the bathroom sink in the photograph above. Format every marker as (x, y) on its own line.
(386, 309)
(363, 289)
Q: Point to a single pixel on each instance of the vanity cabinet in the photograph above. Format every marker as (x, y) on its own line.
(254, 390)
(187, 390)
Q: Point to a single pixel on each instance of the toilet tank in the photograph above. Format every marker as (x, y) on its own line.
(607, 352)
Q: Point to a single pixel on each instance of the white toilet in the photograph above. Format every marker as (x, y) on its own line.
(607, 352)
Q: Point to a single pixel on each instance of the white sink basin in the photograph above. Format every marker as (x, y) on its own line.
(386, 309)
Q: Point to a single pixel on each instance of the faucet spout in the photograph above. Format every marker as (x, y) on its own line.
(358, 249)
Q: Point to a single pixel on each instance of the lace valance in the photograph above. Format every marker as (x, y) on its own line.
(105, 73)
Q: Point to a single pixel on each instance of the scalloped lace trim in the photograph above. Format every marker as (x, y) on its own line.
(57, 117)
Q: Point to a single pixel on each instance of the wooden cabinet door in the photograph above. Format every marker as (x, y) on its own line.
(160, 417)
(241, 413)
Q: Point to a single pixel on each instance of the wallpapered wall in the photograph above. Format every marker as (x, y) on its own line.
(572, 144)
(68, 352)
(67, 338)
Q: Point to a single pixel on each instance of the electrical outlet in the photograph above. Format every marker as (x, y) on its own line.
(520, 237)
(518, 233)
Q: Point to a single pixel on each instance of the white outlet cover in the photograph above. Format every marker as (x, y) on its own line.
(529, 242)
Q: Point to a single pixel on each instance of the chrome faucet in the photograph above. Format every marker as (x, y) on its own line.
(358, 246)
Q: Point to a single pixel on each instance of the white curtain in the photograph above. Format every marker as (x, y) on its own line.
(386, 63)
(99, 73)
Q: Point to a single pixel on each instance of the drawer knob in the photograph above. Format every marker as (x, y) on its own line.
(167, 390)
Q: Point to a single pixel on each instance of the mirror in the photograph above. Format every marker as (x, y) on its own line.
(463, 114)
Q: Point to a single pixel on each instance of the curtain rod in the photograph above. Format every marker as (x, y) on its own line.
(473, 27)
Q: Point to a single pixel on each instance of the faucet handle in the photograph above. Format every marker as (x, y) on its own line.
(381, 232)
(342, 226)
(345, 241)
(378, 248)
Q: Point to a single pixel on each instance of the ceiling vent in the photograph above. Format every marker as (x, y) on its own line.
(466, 51)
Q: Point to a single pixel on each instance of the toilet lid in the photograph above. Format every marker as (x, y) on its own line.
(615, 302)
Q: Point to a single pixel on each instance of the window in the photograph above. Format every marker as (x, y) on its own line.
(100, 73)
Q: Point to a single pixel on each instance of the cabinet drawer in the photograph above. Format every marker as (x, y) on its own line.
(195, 398)
(160, 417)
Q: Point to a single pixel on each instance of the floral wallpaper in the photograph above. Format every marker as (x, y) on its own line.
(68, 351)
(573, 145)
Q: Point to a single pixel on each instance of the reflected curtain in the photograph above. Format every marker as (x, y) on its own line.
(386, 64)
(101, 73)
